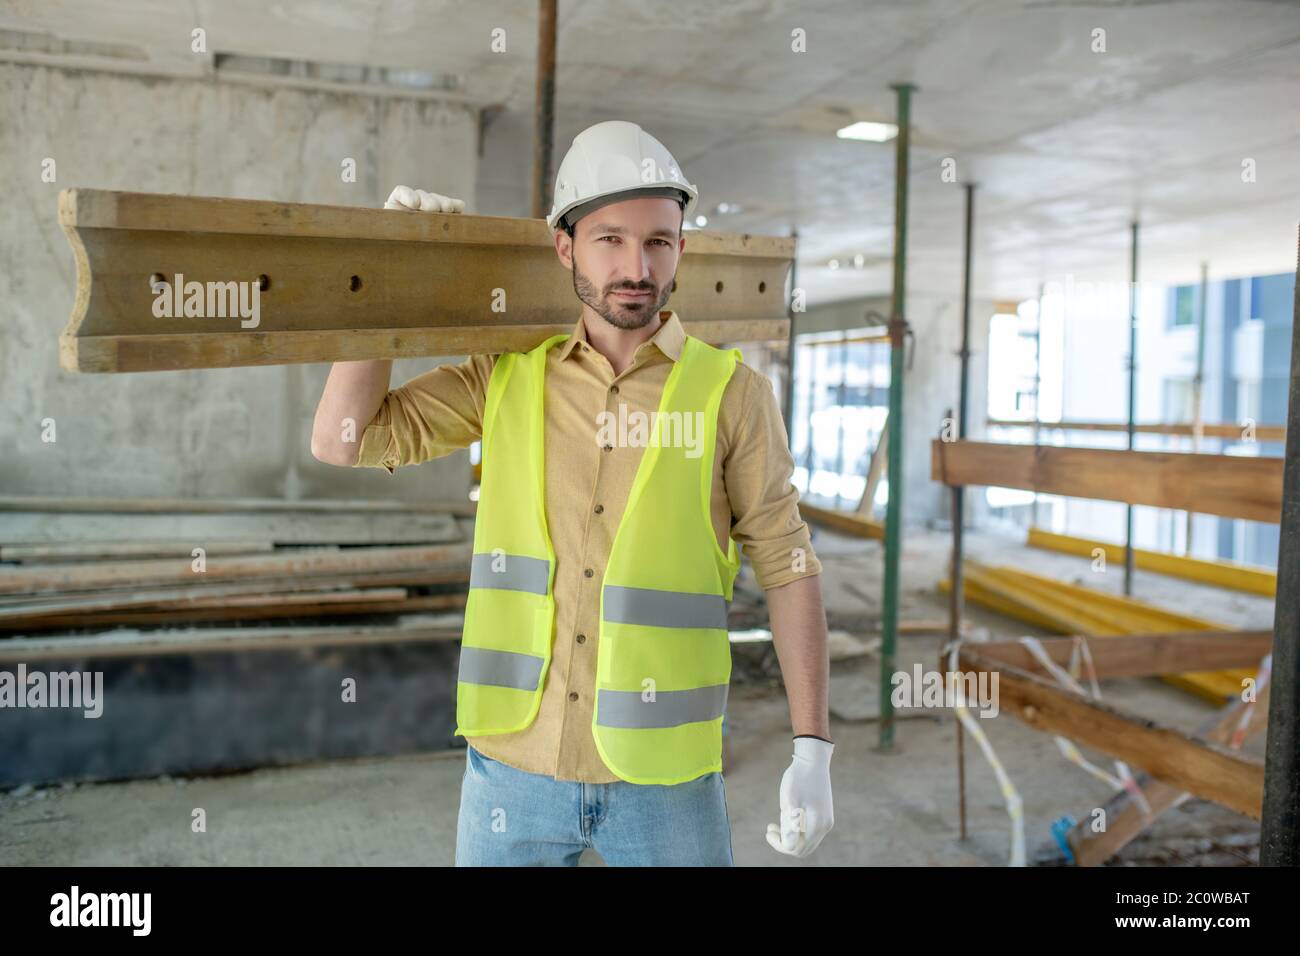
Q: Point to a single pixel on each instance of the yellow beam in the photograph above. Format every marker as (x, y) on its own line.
(847, 522)
(1224, 574)
(1073, 609)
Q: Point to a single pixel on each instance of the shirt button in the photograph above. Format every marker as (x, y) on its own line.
(581, 638)
(614, 389)
(573, 695)
(607, 448)
(589, 572)
(600, 509)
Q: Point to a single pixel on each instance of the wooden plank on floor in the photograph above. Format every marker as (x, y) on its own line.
(1125, 819)
(98, 550)
(258, 568)
(35, 527)
(127, 643)
(231, 612)
(1228, 485)
(348, 283)
(19, 612)
(224, 505)
(1209, 770)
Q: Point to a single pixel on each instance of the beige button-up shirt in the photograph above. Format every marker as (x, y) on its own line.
(587, 488)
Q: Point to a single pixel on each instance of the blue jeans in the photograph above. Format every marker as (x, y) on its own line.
(509, 817)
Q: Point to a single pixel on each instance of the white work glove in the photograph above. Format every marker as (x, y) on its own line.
(806, 811)
(417, 200)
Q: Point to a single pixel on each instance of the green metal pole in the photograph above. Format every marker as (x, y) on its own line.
(894, 508)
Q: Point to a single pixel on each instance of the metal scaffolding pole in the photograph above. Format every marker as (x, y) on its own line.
(787, 400)
(894, 508)
(1132, 399)
(1038, 385)
(544, 110)
(1279, 839)
(1198, 385)
(841, 397)
(957, 593)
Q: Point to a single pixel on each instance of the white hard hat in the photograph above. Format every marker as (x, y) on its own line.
(613, 161)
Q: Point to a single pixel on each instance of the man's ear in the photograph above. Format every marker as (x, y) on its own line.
(564, 248)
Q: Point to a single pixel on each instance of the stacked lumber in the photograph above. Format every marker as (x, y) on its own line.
(79, 565)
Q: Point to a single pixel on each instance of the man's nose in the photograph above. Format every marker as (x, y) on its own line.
(635, 267)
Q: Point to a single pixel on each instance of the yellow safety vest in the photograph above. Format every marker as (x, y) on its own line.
(663, 662)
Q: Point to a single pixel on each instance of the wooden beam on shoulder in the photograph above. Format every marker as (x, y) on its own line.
(345, 283)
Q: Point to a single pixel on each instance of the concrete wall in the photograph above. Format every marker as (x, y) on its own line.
(206, 433)
(931, 385)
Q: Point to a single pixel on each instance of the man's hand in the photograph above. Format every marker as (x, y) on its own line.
(806, 810)
(417, 200)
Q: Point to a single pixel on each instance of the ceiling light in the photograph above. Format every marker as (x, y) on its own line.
(870, 132)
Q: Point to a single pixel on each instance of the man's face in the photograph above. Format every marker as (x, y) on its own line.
(624, 257)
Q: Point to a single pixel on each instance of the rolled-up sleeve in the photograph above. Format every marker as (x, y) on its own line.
(757, 468)
(434, 414)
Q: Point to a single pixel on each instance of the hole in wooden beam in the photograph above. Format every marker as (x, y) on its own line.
(355, 283)
(263, 282)
(718, 286)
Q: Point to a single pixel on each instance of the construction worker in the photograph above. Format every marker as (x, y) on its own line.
(622, 463)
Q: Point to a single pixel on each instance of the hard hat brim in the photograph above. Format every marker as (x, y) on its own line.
(683, 192)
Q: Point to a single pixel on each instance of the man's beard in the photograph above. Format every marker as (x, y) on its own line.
(622, 315)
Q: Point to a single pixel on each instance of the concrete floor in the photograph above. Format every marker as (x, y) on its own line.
(896, 809)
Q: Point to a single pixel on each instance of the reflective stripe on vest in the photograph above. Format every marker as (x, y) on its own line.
(664, 608)
(669, 708)
(510, 572)
(500, 668)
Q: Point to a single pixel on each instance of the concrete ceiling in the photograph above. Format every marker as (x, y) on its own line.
(1067, 145)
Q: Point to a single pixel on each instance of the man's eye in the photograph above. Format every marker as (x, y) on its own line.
(662, 241)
